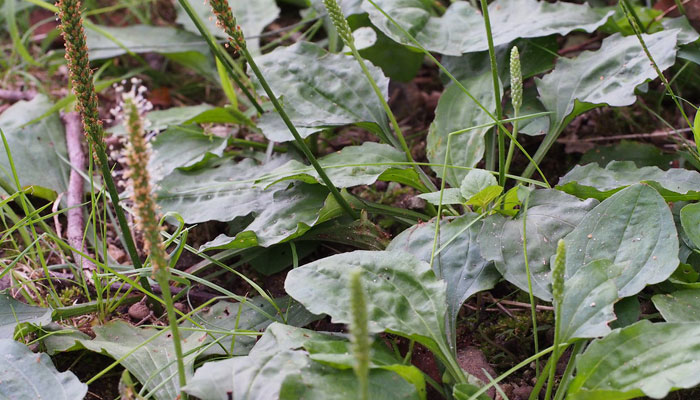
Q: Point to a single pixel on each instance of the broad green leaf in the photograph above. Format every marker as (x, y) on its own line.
(13, 312)
(159, 120)
(38, 150)
(351, 166)
(485, 197)
(153, 363)
(690, 220)
(627, 311)
(319, 89)
(605, 76)
(221, 192)
(225, 190)
(227, 316)
(338, 354)
(277, 356)
(449, 196)
(600, 183)
(687, 34)
(251, 16)
(252, 377)
(403, 294)
(550, 215)
(182, 147)
(642, 154)
(29, 376)
(456, 112)
(536, 57)
(643, 359)
(475, 181)
(464, 391)
(113, 41)
(459, 264)
(596, 78)
(589, 296)
(680, 306)
(461, 28)
(690, 52)
(290, 213)
(349, 7)
(397, 61)
(321, 382)
(634, 229)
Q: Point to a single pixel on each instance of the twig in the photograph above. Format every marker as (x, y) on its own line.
(627, 136)
(16, 95)
(76, 223)
(490, 298)
(580, 47)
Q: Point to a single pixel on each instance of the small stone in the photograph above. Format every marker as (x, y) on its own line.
(139, 311)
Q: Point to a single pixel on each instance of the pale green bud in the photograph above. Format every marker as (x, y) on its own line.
(558, 270)
(516, 79)
(341, 24)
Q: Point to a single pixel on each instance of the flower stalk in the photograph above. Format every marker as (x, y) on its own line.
(71, 26)
(359, 333)
(343, 28)
(227, 22)
(558, 270)
(516, 95)
(147, 217)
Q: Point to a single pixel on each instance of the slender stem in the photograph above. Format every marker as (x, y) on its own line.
(392, 118)
(629, 13)
(568, 373)
(511, 147)
(522, 364)
(123, 224)
(447, 73)
(555, 353)
(216, 48)
(496, 94)
(163, 280)
(302, 144)
(533, 305)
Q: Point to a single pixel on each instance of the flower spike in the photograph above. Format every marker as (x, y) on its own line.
(79, 67)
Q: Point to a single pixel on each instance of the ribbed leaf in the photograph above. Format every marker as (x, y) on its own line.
(351, 166)
(680, 306)
(551, 215)
(403, 294)
(456, 111)
(589, 296)
(593, 181)
(13, 312)
(461, 28)
(252, 16)
(634, 229)
(38, 150)
(643, 359)
(319, 89)
(29, 376)
(459, 264)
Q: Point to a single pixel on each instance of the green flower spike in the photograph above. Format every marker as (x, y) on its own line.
(137, 156)
(138, 152)
(516, 79)
(79, 68)
(341, 24)
(558, 270)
